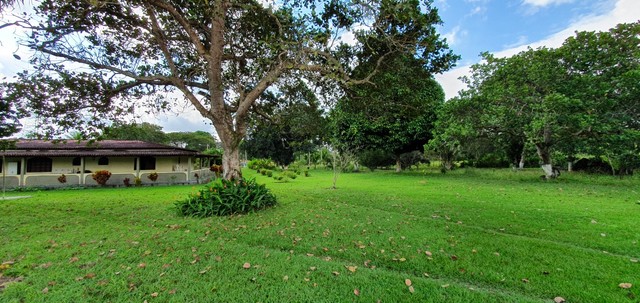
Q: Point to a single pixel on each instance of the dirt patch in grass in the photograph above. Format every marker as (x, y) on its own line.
(5, 281)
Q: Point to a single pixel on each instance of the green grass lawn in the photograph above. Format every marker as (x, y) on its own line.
(467, 236)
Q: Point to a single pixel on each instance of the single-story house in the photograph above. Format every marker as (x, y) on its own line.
(41, 163)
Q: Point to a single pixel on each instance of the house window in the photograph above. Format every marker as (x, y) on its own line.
(147, 163)
(76, 161)
(39, 165)
(103, 161)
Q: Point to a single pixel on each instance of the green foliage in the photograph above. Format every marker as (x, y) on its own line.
(399, 114)
(295, 123)
(407, 160)
(376, 158)
(506, 225)
(137, 181)
(226, 197)
(258, 164)
(580, 98)
(9, 117)
(144, 132)
(198, 140)
(101, 176)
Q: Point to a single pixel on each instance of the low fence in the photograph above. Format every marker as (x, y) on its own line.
(45, 180)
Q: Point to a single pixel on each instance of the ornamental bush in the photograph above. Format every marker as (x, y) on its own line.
(226, 197)
(259, 164)
(101, 176)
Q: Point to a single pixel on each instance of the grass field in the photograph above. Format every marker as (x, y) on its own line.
(467, 236)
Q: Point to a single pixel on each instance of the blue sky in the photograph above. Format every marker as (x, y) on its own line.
(502, 27)
(505, 27)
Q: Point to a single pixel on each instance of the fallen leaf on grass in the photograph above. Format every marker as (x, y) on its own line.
(407, 282)
(335, 273)
(625, 285)
(45, 265)
(246, 265)
(352, 268)
(155, 294)
(142, 265)
(634, 260)
(356, 292)
(285, 278)
(454, 258)
(45, 290)
(445, 285)
(428, 253)
(74, 259)
(313, 268)
(559, 300)
(411, 290)
(525, 280)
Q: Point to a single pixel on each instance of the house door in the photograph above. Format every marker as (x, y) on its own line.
(12, 168)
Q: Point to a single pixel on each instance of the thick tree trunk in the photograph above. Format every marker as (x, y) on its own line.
(545, 157)
(230, 157)
(522, 156)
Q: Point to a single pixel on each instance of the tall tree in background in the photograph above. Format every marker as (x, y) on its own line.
(144, 132)
(198, 140)
(9, 117)
(101, 61)
(395, 116)
(604, 75)
(579, 98)
(288, 122)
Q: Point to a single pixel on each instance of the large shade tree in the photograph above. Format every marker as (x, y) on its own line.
(288, 122)
(396, 115)
(101, 61)
(579, 98)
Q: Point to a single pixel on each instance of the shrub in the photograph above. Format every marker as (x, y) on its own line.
(62, 179)
(306, 173)
(137, 181)
(269, 174)
(259, 164)
(101, 176)
(226, 197)
(127, 182)
(153, 177)
(376, 158)
(217, 170)
(412, 158)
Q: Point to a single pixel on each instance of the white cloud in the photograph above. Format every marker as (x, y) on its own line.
(624, 11)
(522, 40)
(455, 35)
(543, 3)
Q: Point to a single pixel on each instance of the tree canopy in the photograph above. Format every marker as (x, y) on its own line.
(395, 116)
(579, 98)
(97, 62)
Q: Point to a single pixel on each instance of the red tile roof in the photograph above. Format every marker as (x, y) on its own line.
(111, 148)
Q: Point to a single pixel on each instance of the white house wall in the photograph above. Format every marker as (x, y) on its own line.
(170, 170)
